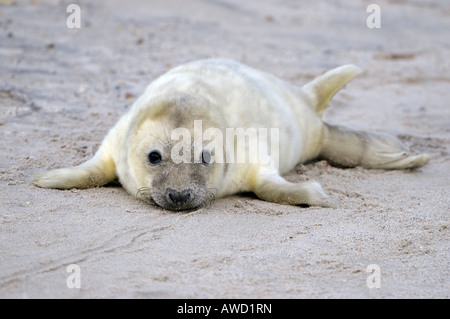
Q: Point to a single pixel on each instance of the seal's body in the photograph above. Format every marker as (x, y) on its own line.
(139, 150)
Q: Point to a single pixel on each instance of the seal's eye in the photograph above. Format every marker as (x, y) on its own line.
(154, 157)
(206, 157)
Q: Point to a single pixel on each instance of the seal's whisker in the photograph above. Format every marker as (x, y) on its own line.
(165, 133)
(209, 192)
(191, 199)
(143, 192)
(210, 198)
(158, 138)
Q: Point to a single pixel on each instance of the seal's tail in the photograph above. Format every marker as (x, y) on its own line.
(324, 87)
(347, 147)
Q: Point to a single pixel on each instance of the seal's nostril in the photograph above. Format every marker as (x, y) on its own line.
(179, 198)
(172, 197)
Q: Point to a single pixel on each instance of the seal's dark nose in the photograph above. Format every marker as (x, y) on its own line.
(178, 198)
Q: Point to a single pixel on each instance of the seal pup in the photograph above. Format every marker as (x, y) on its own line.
(139, 150)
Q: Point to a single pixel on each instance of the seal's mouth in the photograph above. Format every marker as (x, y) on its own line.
(176, 207)
(181, 209)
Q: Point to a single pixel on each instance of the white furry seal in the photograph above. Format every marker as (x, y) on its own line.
(225, 94)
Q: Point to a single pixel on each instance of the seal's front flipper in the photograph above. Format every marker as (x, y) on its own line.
(98, 171)
(274, 188)
(349, 148)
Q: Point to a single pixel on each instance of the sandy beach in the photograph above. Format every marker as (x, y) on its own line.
(62, 89)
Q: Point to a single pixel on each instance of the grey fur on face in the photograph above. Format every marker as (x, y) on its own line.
(179, 186)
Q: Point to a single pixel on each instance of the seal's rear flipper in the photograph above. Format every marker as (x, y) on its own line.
(349, 148)
(98, 171)
(320, 90)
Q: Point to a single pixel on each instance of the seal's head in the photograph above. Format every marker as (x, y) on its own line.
(177, 186)
(164, 161)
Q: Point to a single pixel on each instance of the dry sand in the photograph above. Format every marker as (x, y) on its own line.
(62, 89)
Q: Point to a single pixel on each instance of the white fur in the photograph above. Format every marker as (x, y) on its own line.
(231, 95)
